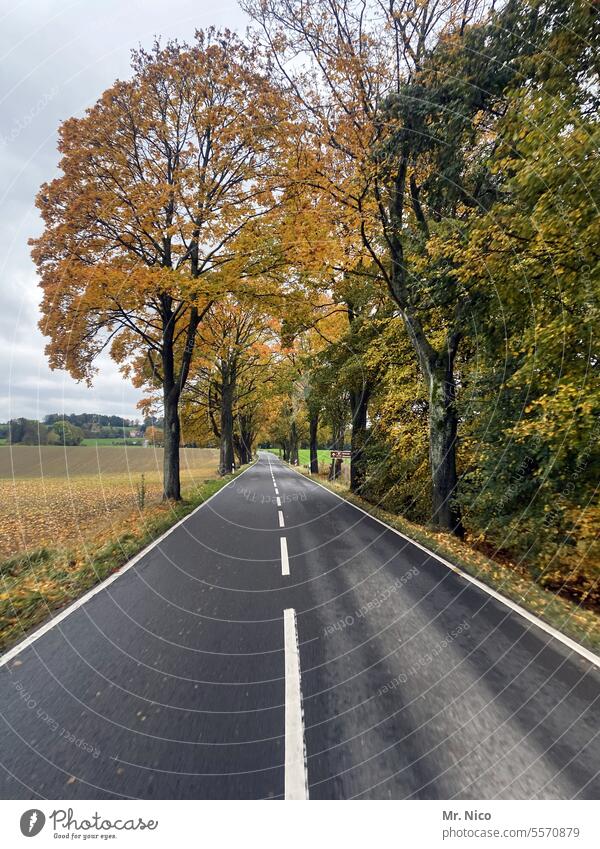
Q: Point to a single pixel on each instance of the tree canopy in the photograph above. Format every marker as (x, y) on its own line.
(370, 226)
(155, 214)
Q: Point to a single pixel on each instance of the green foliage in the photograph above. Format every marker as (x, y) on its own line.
(397, 445)
(502, 241)
(26, 432)
(65, 433)
(532, 427)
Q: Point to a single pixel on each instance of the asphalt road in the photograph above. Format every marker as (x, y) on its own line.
(172, 682)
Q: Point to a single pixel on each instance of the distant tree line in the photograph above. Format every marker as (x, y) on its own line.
(89, 421)
(72, 429)
(31, 432)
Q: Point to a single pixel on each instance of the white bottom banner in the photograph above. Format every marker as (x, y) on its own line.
(397, 823)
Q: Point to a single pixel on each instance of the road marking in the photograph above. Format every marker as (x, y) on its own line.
(276, 491)
(296, 773)
(278, 501)
(281, 520)
(285, 563)
(567, 641)
(25, 643)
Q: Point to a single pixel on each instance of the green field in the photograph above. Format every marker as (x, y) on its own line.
(106, 442)
(304, 456)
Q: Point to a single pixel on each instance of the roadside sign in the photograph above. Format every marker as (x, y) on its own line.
(340, 455)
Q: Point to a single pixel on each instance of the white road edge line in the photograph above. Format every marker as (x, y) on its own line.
(281, 519)
(296, 772)
(27, 641)
(567, 641)
(285, 563)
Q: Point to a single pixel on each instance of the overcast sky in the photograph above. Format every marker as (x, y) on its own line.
(57, 58)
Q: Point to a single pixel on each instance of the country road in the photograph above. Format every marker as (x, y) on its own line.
(279, 642)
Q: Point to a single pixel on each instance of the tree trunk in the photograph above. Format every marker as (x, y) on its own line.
(171, 393)
(314, 454)
(293, 442)
(337, 444)
(359, 402)
(442, 445)
(226, 455)
(172, 434)
(243, 439)
(173, 383)
(239, 448)
(335, 470)
(438, 370)
(246, 437)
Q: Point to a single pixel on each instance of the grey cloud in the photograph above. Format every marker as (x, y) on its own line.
(57, 57)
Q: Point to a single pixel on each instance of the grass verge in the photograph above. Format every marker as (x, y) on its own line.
(572, 620)
(36, 583)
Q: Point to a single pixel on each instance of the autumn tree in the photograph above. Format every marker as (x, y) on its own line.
(531, 425)
(399, 106)
(233, 356)
(65, 433)
(363, 303)
(336, 370)
(314, 406)
(396, 454)
(154, 435)
(356, 58)
(254, 403)
(308, 332)
(161, 181)
(27, 432)
(247, 417)
(289, 425)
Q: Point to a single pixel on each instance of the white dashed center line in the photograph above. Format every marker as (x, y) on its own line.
(281, 521)
(296, 775)
(285, 563)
